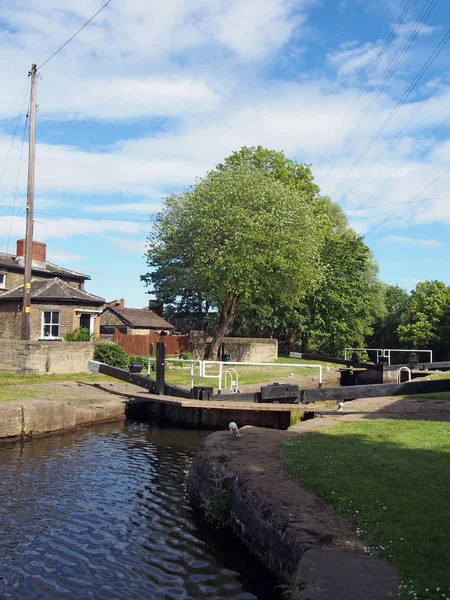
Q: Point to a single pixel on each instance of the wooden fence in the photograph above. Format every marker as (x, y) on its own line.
(145, 345)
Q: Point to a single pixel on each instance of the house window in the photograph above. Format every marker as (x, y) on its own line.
(50, 324)
(2, 280)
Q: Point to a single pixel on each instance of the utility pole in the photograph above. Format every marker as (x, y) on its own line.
(26, 304)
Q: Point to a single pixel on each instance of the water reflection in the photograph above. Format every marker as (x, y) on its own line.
(103, 514)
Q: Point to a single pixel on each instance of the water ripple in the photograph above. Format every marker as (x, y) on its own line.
(103, 514)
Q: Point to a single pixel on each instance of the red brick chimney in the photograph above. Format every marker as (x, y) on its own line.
(39, 253)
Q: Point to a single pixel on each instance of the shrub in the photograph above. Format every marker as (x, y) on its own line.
(112, 354)
(79, 335)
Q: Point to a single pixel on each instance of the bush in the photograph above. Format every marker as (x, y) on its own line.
(79, 335)
(112, 354)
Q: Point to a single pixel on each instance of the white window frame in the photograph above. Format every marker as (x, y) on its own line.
(2, 281)
(51, 324)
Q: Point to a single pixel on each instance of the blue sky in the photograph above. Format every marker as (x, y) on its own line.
(151, 95)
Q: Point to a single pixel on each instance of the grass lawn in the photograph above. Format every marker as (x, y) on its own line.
(10, 382)
(247, 374)
(392, 478)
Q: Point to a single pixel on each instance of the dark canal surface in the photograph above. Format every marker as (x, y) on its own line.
(102, 513)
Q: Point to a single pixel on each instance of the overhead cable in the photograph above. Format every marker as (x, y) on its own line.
(397, 107)
(74, 35)
(413, 199)
(366, 81)
(386, 76)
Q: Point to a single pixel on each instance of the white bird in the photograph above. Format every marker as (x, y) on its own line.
(234, 429)
(341, 406)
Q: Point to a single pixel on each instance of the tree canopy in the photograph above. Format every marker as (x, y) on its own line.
(240, 233)
(426, 318)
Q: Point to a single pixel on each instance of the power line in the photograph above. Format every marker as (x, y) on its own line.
(396, 108)
(394, 204)
(387, 74)
(367, 79)
(17, 183)
(74, 35)
(413, 199)
(65, 216)
(15, 133)
(407, 159)
(398, 134)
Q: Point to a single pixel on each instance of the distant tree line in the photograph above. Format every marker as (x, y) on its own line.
(255, 249)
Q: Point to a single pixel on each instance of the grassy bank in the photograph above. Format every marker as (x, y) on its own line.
(14, 386)
(392, 479)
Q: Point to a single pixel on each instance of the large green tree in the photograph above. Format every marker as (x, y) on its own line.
(240, 233)
(426, 318)
(394, 313)
(339, 310)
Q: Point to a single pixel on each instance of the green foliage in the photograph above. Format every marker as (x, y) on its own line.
(216, 505)
(239, 234)
(141, 359)
(288, 585)
(395, 303)
(275, 165)
(427, 313)
(338, 310)
(48, 364)
(79, 335)
(111, 354)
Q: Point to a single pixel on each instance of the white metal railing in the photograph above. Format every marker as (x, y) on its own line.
(203, 364)
(253, 364)
(192, 363)
(234, 383)
(386, 352)
(399, 374)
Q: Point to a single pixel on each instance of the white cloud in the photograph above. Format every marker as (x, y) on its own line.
(58, 256)
(199, 63)
(67, 227)
(132, 207)
(129, 246)
(398, 239)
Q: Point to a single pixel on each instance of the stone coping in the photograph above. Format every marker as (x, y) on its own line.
(289, 528)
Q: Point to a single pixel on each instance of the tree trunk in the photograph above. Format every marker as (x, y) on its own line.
(304, 344)
(226, 317)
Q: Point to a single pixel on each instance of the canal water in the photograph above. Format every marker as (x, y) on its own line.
(102, 513)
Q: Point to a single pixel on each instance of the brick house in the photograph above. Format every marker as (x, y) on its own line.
(135, 321)
(59, 302)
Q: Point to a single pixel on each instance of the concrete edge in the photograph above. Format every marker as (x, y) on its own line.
(36, 417)
(318, 564)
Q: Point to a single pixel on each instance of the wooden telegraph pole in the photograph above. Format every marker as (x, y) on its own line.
(26, 304)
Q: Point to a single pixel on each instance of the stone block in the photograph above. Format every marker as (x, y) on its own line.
(330, 574)
(10, 420)
(100, 412)
(40, 416)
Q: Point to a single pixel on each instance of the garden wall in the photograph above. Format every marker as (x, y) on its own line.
(17, 356)
(239, 349)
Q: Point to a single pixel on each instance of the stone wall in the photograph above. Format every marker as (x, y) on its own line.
(41, 357)
(239, 349)
(251, 349)
(11, 319)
